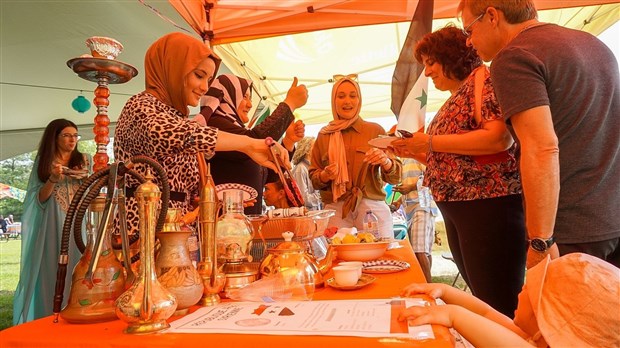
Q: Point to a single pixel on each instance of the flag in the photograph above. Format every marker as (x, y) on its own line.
(261, 113)
(7, 191)
(409, 85)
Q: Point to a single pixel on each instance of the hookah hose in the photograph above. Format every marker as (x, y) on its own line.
(75, 216)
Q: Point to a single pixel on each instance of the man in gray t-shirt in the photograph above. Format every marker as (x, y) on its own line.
(560, 90)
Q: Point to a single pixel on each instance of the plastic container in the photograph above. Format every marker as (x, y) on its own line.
(371, 224)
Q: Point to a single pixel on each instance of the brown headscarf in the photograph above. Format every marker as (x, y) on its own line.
(336, 152)
(167, 63)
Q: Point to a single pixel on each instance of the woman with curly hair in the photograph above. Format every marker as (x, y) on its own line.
(472, 171)
(301, 174)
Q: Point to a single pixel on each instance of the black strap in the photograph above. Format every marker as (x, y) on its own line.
(174, 195)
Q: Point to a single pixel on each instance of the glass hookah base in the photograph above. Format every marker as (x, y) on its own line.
(147, 328)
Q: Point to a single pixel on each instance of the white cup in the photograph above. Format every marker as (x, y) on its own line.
(346, 275)
(357, 264)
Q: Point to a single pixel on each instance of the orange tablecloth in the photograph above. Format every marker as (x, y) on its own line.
(44, 333)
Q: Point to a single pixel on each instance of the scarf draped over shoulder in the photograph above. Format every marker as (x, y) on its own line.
(336, 152)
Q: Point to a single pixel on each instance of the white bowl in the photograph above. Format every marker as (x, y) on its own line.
(361, 251)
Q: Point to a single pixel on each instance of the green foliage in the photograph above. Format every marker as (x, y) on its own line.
(10, 254)
(15, 172)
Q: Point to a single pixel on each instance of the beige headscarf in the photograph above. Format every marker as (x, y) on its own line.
(167, 63)
(336, 152)
(571, 301)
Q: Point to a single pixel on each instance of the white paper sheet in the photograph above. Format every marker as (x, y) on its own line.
(363, 318)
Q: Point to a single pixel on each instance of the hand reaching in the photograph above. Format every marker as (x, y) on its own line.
(330, 172)
(297, 96)
(434, 290)
(261, 154)
(420, 315)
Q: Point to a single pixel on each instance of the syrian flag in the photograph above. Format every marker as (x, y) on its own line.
(261, 113)
(409, 85)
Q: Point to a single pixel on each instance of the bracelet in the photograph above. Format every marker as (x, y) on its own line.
(430, 143)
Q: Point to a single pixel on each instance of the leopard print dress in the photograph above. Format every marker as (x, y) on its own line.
(151, 128)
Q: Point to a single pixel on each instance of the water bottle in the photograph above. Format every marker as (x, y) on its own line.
(371, 224)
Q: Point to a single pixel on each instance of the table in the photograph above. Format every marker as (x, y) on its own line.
(44, 333)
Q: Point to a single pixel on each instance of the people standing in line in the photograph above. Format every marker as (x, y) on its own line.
(154, 123)
(301, 173)
(226, 106)
(348, 172)
(559, 88)
(472, 171)
(48, 197)
(418, 203)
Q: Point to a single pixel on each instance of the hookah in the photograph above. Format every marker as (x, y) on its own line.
(88, 290)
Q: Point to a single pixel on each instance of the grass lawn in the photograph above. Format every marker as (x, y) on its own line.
(10, 253)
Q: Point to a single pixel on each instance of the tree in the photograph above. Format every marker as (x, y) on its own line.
(15, 172)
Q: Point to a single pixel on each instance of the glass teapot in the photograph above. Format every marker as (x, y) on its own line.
(234, 231)
(292, 255)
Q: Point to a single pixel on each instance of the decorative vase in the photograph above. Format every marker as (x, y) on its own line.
(173, 265)
(146, 305)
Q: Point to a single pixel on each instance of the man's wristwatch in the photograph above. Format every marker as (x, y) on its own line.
(541, 245)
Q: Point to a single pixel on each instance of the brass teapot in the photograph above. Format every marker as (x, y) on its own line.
(292, 255)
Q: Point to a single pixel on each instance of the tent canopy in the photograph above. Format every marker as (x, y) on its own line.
(37, 39)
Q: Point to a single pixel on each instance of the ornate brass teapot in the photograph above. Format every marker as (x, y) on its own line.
(292, 255)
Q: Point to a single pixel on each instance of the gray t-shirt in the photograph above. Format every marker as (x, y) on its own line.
(576, 75)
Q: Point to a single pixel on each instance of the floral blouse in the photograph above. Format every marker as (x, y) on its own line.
(454, 177)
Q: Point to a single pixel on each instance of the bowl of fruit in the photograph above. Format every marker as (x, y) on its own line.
(359, 247)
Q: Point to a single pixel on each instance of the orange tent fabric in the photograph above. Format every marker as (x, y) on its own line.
(226, 21)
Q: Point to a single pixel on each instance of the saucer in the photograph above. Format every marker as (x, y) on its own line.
(384, 266)
(249, 193)
(362, 282)
(382, 142)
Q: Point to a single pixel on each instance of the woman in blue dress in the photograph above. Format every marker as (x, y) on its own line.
(48, 196)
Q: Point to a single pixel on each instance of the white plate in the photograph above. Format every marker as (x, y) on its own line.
(384, 266)
(249, 193)
(382, 142)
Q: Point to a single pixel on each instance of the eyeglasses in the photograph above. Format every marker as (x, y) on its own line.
(68, 135)
(467, 29)
(339, 77)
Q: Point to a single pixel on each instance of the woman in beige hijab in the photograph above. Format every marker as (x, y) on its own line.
(154, 123)
(349, 173)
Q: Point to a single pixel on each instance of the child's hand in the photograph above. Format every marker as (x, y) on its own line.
(420, 315)
(434, 290)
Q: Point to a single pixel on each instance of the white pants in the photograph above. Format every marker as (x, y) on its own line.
(356, 219)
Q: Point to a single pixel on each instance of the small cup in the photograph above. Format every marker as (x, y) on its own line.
(357, 264)
(346, 275)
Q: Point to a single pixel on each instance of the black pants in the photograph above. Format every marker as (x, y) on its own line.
(608, 250)
(487, 239)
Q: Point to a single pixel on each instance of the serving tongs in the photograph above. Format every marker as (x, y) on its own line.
(290, 185)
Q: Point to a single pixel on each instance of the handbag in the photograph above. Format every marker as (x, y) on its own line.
(501, 156)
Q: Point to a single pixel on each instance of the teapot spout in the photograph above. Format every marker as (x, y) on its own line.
(326, 263)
